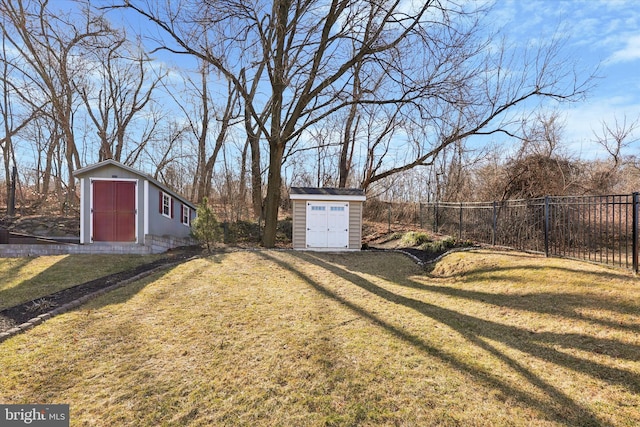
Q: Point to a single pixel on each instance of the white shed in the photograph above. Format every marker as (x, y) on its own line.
(327, 218)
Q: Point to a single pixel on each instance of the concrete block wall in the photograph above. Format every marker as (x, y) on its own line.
(159, 244)
(18, 250)
(153, 245)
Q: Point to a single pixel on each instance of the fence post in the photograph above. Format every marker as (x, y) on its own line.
(634, 222)
(435, 217)
(494, 233)
(460, 229)
(546, 226)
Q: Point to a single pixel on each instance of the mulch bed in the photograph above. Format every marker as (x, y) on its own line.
(423, 257)
(16, 315)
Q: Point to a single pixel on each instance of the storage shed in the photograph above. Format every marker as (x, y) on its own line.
(327, 218)
(119, 204)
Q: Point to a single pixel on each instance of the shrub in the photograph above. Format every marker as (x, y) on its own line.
(415, 238)
(442, 246)
(285, 229)
(439, 246)
(205, 228)
(243, 232)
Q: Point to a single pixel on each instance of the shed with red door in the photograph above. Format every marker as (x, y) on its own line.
(119, 204)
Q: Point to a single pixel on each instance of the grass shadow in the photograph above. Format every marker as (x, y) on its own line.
(8, 272)
(127, 292)
(569, 305)
(478, 331)
(64, 272)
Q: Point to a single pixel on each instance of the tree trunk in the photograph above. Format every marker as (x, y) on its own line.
(201, 172)
(256, 178)
(11, 200)
(72, 157)
(272, 201)
(277, 140)
(346, 154)
(242, 191)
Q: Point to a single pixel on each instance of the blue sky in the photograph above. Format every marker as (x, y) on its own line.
(598, 33)
(602, 35)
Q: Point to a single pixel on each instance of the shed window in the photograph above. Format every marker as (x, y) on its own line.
(165, 208)
(186, 215)
(317, 208)
(337, 208)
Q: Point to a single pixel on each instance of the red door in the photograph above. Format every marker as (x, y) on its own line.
(114, 211)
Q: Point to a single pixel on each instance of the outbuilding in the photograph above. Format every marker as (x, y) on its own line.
(327, 218)
(120, 205)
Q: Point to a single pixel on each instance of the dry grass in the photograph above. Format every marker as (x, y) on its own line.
(24, 279)
(284, 338)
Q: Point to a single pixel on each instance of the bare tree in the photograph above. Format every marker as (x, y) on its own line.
(604, 175)
(166, 156)
(209, 119)
(48, 47)
(538, 166)
(351, 128)
(435, 70)
(486, 100)
(614, 138)
(121, 88)
(12, 121)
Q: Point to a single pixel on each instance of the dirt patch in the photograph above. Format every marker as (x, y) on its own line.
(16, 315)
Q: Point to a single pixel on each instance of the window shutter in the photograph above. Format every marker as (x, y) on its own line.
(161, 197)
(171, 206)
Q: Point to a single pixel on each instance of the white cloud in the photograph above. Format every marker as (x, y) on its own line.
(630, 52)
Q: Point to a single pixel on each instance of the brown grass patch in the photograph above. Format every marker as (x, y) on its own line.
(285, 338)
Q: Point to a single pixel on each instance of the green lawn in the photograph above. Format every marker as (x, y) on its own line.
(24, 279)
(296, 339)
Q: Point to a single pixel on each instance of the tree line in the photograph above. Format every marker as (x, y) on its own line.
(265, 94)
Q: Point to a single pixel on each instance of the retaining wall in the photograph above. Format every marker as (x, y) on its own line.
(153, 245)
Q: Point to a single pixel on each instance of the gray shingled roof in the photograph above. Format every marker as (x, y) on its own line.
(326, 191)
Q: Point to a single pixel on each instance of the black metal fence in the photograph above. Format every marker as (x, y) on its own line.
(602, 229)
